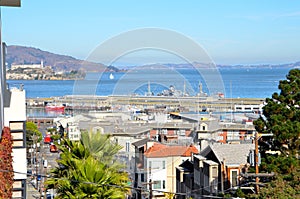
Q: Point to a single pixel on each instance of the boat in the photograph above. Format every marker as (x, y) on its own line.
(111, 76)
(54, 107)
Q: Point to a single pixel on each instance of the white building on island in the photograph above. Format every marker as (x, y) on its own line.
(27, 66)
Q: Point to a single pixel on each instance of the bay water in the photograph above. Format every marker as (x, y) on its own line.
(238, 83)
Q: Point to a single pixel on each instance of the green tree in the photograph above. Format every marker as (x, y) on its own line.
(31, 130)
(84, 172)
(282, 187)
(100, 146)
(281, 117)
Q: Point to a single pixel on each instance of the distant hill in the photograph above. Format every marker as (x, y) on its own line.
(30, 55)
(201, 65)
(286, 65)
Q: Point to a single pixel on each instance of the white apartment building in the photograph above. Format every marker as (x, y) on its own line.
(15, 119)
(13, 115)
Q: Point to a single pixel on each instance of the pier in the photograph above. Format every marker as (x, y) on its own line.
(105, 103)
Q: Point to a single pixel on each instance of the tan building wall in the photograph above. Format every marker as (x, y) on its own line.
(171, 164)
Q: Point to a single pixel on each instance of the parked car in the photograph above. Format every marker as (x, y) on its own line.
(53, 148)
(45, 163)
(47, 139)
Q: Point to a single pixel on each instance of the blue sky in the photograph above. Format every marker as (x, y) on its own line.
(231, 32)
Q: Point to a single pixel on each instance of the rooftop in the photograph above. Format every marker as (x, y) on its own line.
(232, 154)
(160, 150)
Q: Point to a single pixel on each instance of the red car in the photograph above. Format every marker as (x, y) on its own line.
(47, 139)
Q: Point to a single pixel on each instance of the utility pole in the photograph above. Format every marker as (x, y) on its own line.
(34, 139)
(150, 189)
(256, 163)
(150, 183)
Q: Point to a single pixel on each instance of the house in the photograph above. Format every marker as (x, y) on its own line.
(160, 164)
(218, 167)
(236, 132)
(172, 132)
(185, 179)
(125, 136)
(139, 179)
(216, 127)
(205, 176)
(68, 127)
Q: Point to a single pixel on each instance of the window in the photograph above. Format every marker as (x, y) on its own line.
(127, 146)
(164, 184)
(234, 177)
(203, 127)
(157, 184)
(214, 180)
(150, 166)
(164, 164)
(142, 177)
(214, 172)
(164, 131)
(233, 135)
(182, 132)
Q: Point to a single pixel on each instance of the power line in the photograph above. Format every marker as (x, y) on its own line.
(85, 182)
(118, 186)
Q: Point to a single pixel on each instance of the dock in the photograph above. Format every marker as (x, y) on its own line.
(105, 103)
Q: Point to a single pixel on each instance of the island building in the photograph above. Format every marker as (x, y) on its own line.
(27, 66)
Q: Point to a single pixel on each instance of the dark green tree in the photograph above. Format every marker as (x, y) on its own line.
(281, 117)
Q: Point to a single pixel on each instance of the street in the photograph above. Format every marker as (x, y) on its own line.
(40, 169)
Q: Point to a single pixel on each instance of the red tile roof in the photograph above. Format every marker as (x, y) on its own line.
(160, 150)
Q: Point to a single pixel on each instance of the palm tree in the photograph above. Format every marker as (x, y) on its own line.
(87, 169)
(100, 146)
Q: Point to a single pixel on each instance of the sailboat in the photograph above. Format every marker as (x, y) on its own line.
(111, 76)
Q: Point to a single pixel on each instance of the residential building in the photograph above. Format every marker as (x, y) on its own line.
(206, 176)
(160, 164)
(218, 167)
(220, 127)
(13, 115)
(185, 179)
(68, 127)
